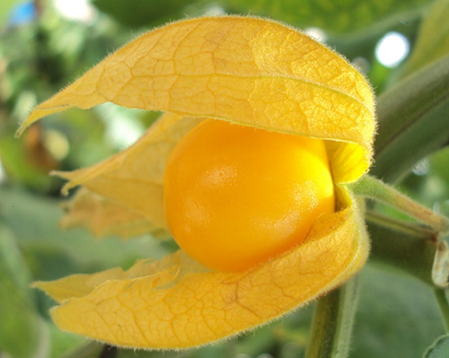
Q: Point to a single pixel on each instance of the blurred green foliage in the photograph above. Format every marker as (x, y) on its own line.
(397, 317)
(439, 349)
(432, 42)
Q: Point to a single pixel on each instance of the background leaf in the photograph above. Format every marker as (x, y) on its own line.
(137, 13)
(433, 38)
(22, 332)
(53, 253)
(397, 316)
(412, 114)
(439, 349)
(336, 17)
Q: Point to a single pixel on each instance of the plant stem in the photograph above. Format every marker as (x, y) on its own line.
(413, 121)
(332, 323)
(411, 229)
(108, 352)
(440, 295)
(89, 350)
(373, 188)
(408, 247)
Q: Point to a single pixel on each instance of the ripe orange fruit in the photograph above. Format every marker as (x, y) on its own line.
(236, 196)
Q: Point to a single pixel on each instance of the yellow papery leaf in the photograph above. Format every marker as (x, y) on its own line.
(135, 176)
(177, 303)
(104, 217)
(76, 285)
(241, 69)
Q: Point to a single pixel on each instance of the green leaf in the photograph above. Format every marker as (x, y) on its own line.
(433, 38)
(137, 13)
(54, 253)
(22, 333)
(413, 121)
(439, 349)
(397, 316)
(332, 16)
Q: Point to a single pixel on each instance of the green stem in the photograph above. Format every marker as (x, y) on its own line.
(108, 352)
(410, 248)
(373, 188)
(440, 295)
(402, 246)
(332, 323)
(408, 228)
(89, 350)
(413, 121)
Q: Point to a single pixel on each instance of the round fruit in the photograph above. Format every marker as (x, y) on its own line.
(237, 196)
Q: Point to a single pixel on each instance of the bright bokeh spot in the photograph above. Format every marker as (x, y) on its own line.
(392, 49)
(422, 167)
(57, 144)
(2, 173)
(316, 33)
(361, 64)
(124, 130)
(79, 10)
(214, 10)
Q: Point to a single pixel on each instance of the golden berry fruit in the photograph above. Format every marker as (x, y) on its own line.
(237, 196)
